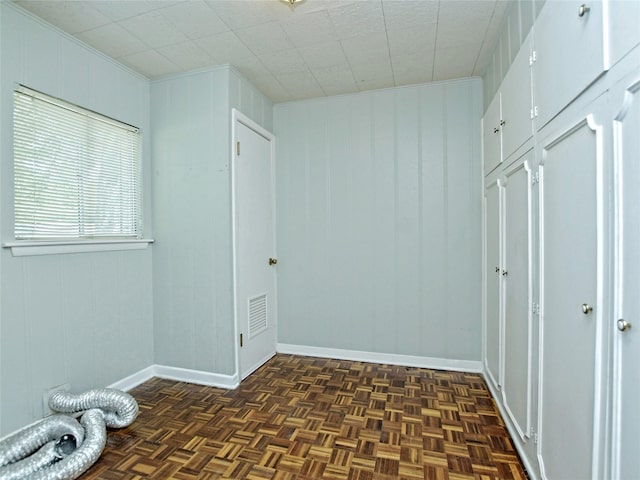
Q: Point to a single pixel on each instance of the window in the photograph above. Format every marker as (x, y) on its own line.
(77, 174)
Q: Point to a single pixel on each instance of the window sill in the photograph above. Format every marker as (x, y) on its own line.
(26, 248)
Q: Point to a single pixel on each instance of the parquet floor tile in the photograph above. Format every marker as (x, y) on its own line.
(303, 418)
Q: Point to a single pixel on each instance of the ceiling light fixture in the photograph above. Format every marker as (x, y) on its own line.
(292, 3)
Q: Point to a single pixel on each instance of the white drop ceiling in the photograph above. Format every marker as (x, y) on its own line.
(318, 48)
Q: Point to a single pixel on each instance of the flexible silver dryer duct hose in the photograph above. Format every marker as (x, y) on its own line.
(119, 408)
(66, 448)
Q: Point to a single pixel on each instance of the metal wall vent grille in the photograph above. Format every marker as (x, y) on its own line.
(257, 314)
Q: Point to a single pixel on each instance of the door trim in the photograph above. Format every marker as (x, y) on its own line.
(238, 117)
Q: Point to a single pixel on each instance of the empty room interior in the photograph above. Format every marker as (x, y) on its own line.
(320, 239)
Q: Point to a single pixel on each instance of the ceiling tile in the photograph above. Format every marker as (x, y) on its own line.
(154, 28)
(70, 16)
(113, 40)
(284, 62)
(251, 67)
(150, 63)
(187, 55)
(450, 35)
(404, 42)
(122, 9)
(357, 18)
(459, 11)
(300, 85)
(264, 38)
(413, 68)
(224, 47)
(372, 76)
(324, 55)
(366, 49)
(310, 29)
(247, 13)
(335, 79)
(455, 62)
(409, 14)
(272, 88)
(194, 18)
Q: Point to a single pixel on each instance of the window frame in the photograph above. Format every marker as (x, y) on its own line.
(56, 245)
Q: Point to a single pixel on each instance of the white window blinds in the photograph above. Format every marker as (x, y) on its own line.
(77, 174)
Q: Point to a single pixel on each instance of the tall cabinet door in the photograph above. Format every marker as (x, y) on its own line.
(569, 295)
(517, 297)
(626, 339)
(493, 282)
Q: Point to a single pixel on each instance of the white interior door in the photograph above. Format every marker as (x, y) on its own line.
(569, 272)
(254, 244)
(627, 339)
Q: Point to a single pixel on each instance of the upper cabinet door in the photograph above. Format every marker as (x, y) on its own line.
(516, 122)
(569, 54)
(491, 135)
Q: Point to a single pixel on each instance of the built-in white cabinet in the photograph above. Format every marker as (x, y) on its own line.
(493, 284)
(508, 121)
(562, 243)
(517, 105)
(491, 137)
(625, 321)
(569, 53)
(571, 298)
(517, 241)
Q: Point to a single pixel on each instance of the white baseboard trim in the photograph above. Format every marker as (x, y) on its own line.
(134, 380)
(198, 377)
(513, 431)
(386, 358)
(177, 374)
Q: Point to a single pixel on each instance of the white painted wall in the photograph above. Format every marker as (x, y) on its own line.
(379, 221)
(83, 319)
(192, 278)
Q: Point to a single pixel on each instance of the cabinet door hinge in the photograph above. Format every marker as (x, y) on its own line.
(238, 149)
(535, 178)
(535, 308)
(534, 112)
(532, 58)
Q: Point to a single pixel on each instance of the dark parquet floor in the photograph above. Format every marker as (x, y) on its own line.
(309, 418)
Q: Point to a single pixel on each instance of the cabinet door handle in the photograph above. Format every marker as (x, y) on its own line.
(497, 269)
(623, 325)
(504, 273)
(496, 130)
(586, 309)
(583, 10)
(503, 122)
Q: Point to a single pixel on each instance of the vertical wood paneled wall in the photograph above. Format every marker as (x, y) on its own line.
(83, 319)
(379, 221)
(192, 278)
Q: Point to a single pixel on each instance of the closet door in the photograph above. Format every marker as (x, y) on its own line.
(517, 294)
(493, 275)
(491, 137)
(569, 294)
(570, 53)
(626, 322)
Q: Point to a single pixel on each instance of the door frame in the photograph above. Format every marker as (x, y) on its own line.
(238, 117)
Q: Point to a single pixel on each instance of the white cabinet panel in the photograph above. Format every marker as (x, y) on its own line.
(491, 135)
(493, 282)
(624, 27)
(516, 122)
(517, 297)
(570, 54)
(627, 340)
(569, 272)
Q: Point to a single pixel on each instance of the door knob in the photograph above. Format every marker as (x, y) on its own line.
(586, 309)
(623, 325)
(583, 10)
(273, 261)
